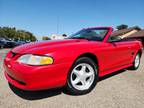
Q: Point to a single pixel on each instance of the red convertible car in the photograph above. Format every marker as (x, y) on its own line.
(75, 62)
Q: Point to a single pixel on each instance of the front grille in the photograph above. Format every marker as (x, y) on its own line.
(20, 82)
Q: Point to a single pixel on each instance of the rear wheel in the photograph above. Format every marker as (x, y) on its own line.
(136, 62)
(82, 77)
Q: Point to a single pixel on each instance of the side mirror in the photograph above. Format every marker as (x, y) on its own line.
(115, 39)
(112, 41)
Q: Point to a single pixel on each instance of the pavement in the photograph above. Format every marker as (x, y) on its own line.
(123, 89)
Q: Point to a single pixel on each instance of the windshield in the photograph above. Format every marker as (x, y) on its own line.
(90, 34)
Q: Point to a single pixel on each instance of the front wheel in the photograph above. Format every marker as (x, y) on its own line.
(82, 77)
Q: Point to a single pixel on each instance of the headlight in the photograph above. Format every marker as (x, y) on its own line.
(35, 59)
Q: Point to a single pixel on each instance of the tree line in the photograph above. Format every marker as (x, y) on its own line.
(11, 33)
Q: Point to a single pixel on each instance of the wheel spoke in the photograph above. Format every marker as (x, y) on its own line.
(76, 72)
(83, 68)
(77, 80)
(83, 82)
(88, 74)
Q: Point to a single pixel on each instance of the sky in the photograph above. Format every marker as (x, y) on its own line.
(46, 17)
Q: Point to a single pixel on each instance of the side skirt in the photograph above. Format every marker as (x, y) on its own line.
(113, 70)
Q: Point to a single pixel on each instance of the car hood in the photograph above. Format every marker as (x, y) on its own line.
(45, 46)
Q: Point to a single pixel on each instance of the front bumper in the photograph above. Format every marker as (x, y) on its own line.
(36, 77)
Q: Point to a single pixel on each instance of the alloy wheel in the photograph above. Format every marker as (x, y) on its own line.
(137, 61)
(82, 76)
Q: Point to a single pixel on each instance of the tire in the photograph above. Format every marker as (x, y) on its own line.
(83, 77)
(136, 62)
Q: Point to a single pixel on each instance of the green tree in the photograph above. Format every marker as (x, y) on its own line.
(13, 34)
(45, 38)
(7, 32)
(122, 26)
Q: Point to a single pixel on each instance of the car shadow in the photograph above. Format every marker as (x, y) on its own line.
(36, 95)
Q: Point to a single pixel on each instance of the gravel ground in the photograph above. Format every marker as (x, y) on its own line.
(125, 89)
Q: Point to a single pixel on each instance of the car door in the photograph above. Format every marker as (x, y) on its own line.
(116, 54)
